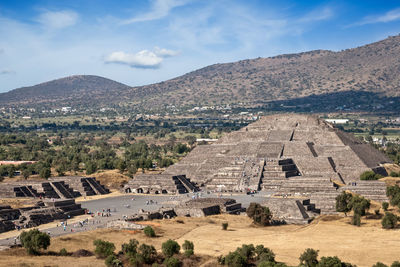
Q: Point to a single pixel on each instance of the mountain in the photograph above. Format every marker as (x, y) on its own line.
(69, 91)
(372, 68)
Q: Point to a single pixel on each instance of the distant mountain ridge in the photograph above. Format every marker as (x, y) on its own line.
(371, 68)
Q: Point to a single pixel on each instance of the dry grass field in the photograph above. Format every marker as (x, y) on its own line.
(331, 235)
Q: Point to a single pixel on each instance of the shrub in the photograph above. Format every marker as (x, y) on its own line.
(359, 204)
(112, 261)
(379, 264)
(395, 264)
(309, 258)
(172, 262)
(247, 251)
(385, 206)
(63, 252)
(356, 219)
(394, 174)
(266, 264)
(235, 259)
(149, 231)
(225, 226)
(370, 175)
(330, 262)
(170, 247)
(188, 247)
(130, 249)
(377, 212)
(389, 221)
(34, 240)
(146, 254)
(260, 215)
(103, 248)
(264, 254)
(391, 191)
(343, 201)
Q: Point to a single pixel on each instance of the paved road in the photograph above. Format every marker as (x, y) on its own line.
(128, 205)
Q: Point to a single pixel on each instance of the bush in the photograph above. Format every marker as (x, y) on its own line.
(330, 262)
(343, 201)
(172, 262)
(225, 226)
(389, 221)
(394, 174)
(379, 264)
(356, 220)
(170, 247)
(377, 211)
(103, 248)
(34, 240)
(359, 204)
(188, 247)
(309, 258)
(112, 261)
(264, 254)
(385, 206)
(370, 175)
(247, 251)
(146, 254)
(235, 259)
(260, 215)
(149, 231)
(63, 252)
(395, 264)
(130, 249)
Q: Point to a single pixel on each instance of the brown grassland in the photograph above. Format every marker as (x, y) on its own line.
(331, 235)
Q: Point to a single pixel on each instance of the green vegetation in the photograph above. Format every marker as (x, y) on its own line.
(188, 248)
(309, 258)
(225, 226)
(103, 248)
(389, 221)
(260, 215)
(370, 175)
(393, 192)
(170, 247)
(34, 240)
(346, 202)
(149, 231)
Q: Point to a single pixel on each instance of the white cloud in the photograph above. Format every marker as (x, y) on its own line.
(142, 59)
(159, 9)
(389, 16)
(318, 15)
(162, 52)
(6, 71)
(58, 19)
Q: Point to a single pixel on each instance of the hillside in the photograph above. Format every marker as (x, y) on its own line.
(69, 91)
(371, 68)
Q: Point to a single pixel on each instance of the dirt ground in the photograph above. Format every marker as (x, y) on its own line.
(331, 235)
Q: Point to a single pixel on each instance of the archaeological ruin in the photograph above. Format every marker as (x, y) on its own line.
(288, 155)
(55, 187)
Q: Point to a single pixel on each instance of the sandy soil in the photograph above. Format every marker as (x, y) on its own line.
(332, 236)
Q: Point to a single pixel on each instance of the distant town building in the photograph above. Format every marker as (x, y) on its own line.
(337, 121)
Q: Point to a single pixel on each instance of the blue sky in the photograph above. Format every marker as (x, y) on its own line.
(145, 41)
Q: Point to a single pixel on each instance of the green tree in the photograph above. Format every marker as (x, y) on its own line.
(188, 247)
(149, 231)
(146, 254)
(45, 173)
(385, 206)
(330, 262)
(170, 247)
(235, 259)
(103, 248)
(172, 262)
(130, 249)
(113, 261)
(34, 240)
(379, 264)
(343, 201)
(389, 221)
(260, 215)
(309, 258)
(91, 167)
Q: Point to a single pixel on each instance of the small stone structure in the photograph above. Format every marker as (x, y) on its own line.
(291, 210)
(55, 187)
(126, 225)
(142, 215)
(208, 206)
(42, 212)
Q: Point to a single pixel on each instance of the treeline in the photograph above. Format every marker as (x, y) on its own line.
(87, 153)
